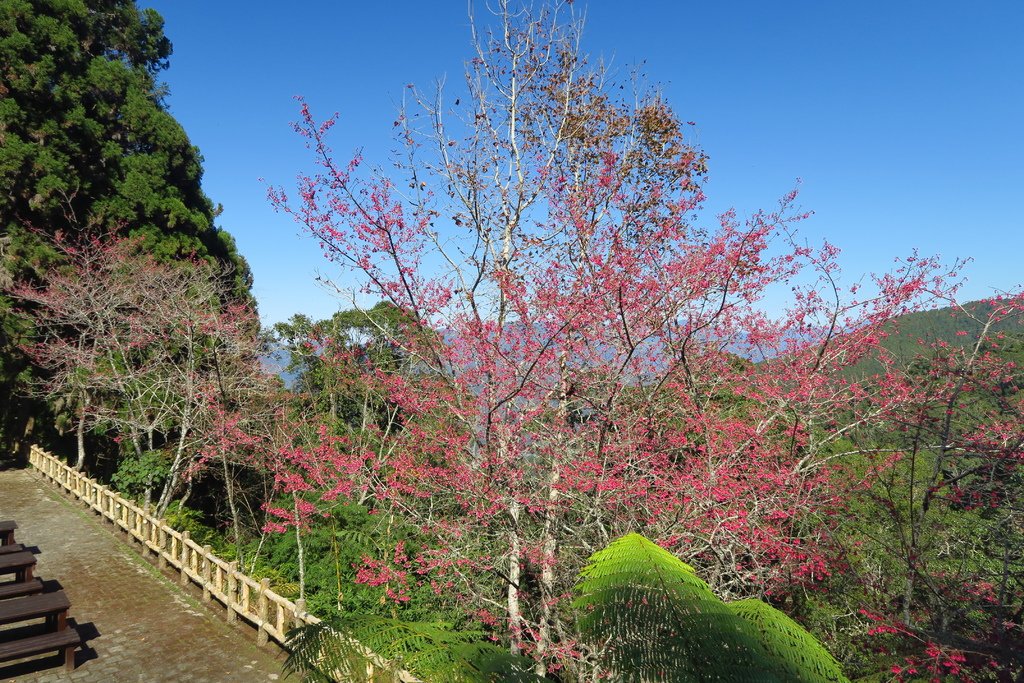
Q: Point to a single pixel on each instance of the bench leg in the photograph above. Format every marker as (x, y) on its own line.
(69, 658)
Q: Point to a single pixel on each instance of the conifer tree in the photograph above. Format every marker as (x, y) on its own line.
(87, 147)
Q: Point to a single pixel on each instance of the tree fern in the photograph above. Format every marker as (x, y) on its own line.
(320, 653)
(653, 619)
(797, 654)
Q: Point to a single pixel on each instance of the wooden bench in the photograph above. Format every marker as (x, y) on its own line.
(20, 564)
(53, 607)
(66, 640)
(7, 528)
(11, 548)
(50, 606)
(16, 590)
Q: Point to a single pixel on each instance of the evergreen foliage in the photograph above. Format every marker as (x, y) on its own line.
(655, 619)
(958, 326)
(88, 143)
(87, 147)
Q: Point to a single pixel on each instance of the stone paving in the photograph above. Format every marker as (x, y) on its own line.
(138, 625)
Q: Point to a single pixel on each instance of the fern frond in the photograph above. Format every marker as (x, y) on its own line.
(369, 648)
(321, 654)
(798, 654)
(424, 648)
(495, 664)
(653, 619)
(354, 538)
(647, 614)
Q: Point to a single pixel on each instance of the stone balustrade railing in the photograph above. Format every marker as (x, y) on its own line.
(242, 596)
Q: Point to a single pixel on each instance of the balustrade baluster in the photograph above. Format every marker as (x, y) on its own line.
(246, 597)
(161, 542)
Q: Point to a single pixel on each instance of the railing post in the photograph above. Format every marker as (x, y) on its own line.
(262, 613)
(184, 557)
(245, 598)
(145, 529)
(140, 523)
(232, 591)
(206, 574)
(161, 544)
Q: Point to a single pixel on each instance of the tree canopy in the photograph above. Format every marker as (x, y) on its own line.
(88, 148)
(87, 140)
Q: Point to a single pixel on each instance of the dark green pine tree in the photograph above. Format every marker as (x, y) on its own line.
(88, 148)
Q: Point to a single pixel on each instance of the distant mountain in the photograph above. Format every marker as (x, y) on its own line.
(955, 326)
(905, 334)
(276, 363)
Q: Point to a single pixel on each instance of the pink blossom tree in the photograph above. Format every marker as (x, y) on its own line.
(76, 311)
(153, 351)
(587, 351)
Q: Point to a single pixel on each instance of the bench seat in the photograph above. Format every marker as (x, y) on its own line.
(52, 606)
(66, 640)
(11, 548)
(14, 590)
(21, 564)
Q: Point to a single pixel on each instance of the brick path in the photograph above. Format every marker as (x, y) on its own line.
(139, 626)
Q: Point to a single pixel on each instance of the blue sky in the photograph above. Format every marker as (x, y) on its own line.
(902, 119)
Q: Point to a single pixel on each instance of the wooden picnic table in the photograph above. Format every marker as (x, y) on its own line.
(7, 528)
(21, 564)
(51, 606)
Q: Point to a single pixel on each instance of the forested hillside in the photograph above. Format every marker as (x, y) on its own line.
(961, 326)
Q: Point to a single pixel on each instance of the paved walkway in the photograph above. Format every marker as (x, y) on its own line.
(139, 626)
